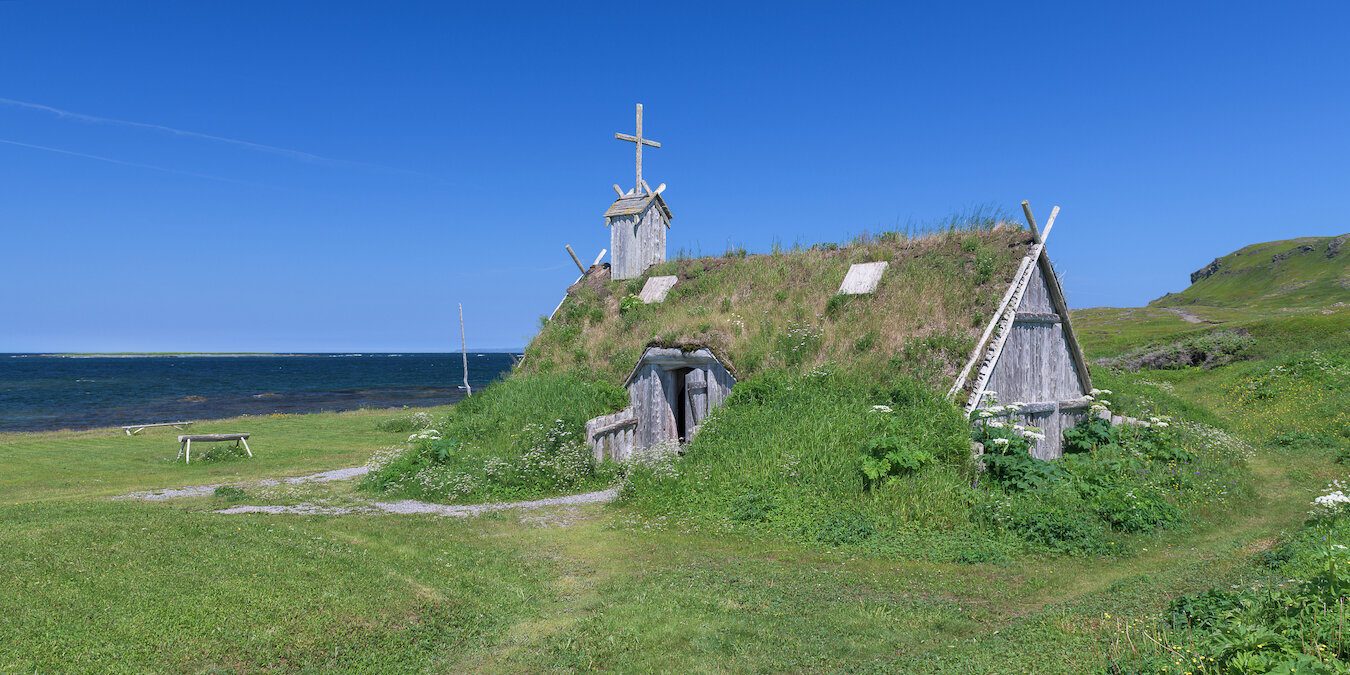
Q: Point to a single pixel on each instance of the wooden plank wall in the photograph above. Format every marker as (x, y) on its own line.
(637, 242)
(653, 399)
(1037, 368)
(611, 437)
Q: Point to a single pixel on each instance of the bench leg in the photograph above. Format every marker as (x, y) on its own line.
(250, 452)
(180, 451)
(189, 452)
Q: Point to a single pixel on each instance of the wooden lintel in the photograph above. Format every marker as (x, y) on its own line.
(1038, 317)
(614, 426)
(1051, 406)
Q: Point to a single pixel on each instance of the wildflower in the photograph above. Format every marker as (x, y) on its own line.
(996, 424)
(1000, 441)
(985, 414)
(1332, 499)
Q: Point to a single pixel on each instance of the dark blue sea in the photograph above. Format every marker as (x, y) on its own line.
(40, 392)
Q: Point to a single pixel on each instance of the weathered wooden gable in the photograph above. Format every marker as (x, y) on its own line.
(671, 391)
(1029, 355)
(637, 234)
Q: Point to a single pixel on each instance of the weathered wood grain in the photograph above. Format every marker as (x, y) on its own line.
(862, 278)
(656, 289)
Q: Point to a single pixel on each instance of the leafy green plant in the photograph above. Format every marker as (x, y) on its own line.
(631, 304)
(846, 528)
(1135, 510)
(229, 492)
(1089, 435)
(890, 456)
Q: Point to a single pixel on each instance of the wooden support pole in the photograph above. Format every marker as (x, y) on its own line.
(1045, 234)
(1031, 220)
(464, 351)
(575, 259)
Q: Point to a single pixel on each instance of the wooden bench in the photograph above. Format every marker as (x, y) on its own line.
(138, 428)
(185, 443)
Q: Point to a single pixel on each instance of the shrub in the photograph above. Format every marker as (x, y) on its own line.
(781, 455)
(754, 507)
(1057, 520)
(1089, 435)
(892, 456)
(631, 304)
(1135, 510)
(229, 492)
(517, 438)
(1291, 626)
(846, 528)
(1206, 351)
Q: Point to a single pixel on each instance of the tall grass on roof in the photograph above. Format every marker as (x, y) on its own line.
(780, 312)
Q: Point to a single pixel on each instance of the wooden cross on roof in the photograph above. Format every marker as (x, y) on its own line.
(639, 141)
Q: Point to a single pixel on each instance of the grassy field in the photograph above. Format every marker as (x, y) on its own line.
(100, 585)
(97, 584)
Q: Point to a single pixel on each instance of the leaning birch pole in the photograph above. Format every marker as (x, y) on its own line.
(464, 351)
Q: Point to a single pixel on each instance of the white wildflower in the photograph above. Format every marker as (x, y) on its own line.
(985, 414)
(1000, 441)
(996, 424)
(1332, 498)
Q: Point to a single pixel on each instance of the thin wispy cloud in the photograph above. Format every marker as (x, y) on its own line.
(122, 162)
(259, 147)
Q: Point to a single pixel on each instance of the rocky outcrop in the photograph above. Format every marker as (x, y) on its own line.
(1206, 272)
(1306, 248)
(1337, 245)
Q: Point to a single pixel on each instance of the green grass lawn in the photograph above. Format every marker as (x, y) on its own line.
(97, 585)
(93, 584)
(107, 462)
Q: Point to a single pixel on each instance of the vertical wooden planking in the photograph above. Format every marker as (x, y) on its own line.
(696, 390)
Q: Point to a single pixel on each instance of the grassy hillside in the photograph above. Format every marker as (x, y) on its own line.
(1259, 345)
(764, 549)
(779, 311)
(1302, 272)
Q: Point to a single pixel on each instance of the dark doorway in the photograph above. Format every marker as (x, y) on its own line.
(680, 405)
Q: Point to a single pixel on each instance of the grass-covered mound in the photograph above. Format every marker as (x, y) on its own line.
(1292, 621)
(846, 459)
(778, 311)
(1302, 272)
(518, 438)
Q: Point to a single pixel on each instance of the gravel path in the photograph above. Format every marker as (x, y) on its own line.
(208, 490)
(1185, 315)
(409, 506)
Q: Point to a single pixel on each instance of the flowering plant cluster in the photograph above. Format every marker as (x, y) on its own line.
(998, 431)
(1331, 503)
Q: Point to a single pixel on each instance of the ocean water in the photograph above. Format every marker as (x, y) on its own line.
(79, 392)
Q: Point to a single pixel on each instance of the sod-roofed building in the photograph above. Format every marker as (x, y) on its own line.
(969, 311)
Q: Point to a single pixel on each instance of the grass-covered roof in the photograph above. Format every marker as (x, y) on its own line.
(780, 310)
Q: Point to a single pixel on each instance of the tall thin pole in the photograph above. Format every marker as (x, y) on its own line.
(464, 351)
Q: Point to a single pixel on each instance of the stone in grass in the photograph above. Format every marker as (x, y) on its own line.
(862, 278)
(656, 288)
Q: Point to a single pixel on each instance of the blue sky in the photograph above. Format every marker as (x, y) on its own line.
(261, 176)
